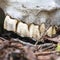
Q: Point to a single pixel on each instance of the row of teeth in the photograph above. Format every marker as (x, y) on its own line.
(24, 30)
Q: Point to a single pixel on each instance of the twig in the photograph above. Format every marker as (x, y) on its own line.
(49, 47)
(43, 45)
(46, 53)
(20, 41)
(2, 39)
(41, 37)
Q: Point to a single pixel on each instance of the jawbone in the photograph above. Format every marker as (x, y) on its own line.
(33, 12)
(28, 30)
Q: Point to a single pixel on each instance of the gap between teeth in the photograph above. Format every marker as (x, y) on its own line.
(24, 30)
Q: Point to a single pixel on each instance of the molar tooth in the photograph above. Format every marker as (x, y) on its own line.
(34, 31)
(22, 29)
(54, 30)
(49, 32)
(10, 24)
(42, 28)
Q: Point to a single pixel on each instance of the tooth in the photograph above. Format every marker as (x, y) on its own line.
(49, 32)
(42, 28)
(10, 24)
(54, 30)
(34, 31)
(22, 29)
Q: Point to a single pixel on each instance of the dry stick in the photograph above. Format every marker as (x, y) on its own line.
(20, 41)
(48, 47)
(46, 44)
(45, 53)
(42, 36)
(2, 39)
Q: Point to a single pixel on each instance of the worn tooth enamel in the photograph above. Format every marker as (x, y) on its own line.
(22, 29)
(34, 31)
(10, 24)
(49, 32)
(54, 30)
(42, 28)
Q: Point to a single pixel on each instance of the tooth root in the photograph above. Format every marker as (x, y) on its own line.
(54, 31)
(49, 32)
(42, 28)
(34, 31)
(22, 29)
(10, 24)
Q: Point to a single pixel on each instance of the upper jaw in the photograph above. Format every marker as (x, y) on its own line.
(28, 30)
